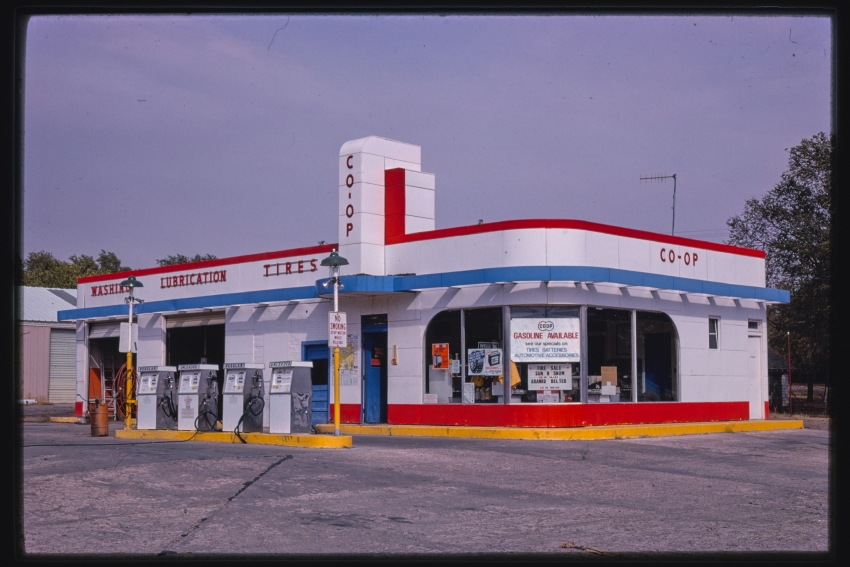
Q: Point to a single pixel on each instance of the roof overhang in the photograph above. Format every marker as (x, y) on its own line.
(579, 276)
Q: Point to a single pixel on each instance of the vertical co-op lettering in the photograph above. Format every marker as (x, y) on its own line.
(349, 210)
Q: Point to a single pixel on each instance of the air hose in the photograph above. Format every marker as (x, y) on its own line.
(120, 396)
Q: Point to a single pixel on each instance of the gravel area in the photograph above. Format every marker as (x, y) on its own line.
(729, 492)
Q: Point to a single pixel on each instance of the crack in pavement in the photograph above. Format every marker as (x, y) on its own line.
(197, 524)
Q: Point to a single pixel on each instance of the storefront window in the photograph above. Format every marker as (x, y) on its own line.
(471, 376)
(443, 348)
(657, 360)
(609, 355)
(545, 354)
(484, 356)
(466, 356)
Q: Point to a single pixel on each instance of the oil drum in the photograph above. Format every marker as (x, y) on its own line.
(99, 420)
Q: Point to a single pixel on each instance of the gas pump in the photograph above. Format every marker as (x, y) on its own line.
(197, 399)
(290, 396)
(244, 395)
(157, 399)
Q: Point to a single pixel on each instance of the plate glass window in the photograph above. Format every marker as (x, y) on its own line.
(539, 372)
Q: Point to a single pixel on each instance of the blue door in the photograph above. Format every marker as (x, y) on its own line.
(375, 376)
(317, 353)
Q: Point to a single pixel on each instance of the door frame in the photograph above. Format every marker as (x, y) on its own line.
(307, 344)
(369, 327)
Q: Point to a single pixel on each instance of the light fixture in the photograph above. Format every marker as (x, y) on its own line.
(334, 260)
(131, 282)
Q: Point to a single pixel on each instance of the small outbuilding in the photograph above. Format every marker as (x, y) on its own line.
(48, 347)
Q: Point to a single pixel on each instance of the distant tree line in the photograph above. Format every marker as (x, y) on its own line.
(42, 269)
(792, 224)
(181, 259)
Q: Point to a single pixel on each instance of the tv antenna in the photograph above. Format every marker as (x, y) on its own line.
(662, 178)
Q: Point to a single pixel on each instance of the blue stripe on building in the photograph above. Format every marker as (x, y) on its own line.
(408, 283)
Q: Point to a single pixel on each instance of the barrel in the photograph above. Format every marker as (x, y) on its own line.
(99, 420)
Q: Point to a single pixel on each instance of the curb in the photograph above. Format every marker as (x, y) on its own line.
(64, 419)
(307, 441)
(588, 433)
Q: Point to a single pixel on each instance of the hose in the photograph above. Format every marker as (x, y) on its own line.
(205, 414)
(166, 408)
(169, 408)
(251, 402)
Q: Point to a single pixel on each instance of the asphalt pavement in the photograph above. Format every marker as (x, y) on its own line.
(728, 492)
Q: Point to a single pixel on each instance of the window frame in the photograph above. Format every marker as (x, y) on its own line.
(715, 334)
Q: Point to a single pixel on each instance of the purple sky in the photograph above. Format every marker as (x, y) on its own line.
(157, 135)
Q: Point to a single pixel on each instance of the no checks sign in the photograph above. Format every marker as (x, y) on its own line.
(337, 330)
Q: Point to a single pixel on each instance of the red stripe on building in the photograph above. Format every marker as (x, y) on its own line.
(394, 203)
(348, 413)
(577, 415)
(323, 249)
(573, 224)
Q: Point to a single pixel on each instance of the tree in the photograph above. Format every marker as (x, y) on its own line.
(42, 269)
(181, 259)
(109, 263)
(791, 223)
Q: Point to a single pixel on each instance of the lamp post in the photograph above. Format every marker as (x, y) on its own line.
(790, 388)
(334, 261)
(130, 283)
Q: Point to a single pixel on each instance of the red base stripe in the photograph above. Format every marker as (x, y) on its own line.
(348, 413)
(539, 415)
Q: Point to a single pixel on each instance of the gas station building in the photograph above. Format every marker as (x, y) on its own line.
(536, 322)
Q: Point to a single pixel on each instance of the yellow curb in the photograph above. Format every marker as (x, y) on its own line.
(565, 433)
(313, 441)
(64, 419)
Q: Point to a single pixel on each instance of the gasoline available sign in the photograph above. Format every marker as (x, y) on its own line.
(545, 340)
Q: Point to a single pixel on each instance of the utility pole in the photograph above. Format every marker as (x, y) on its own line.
(661, 178)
